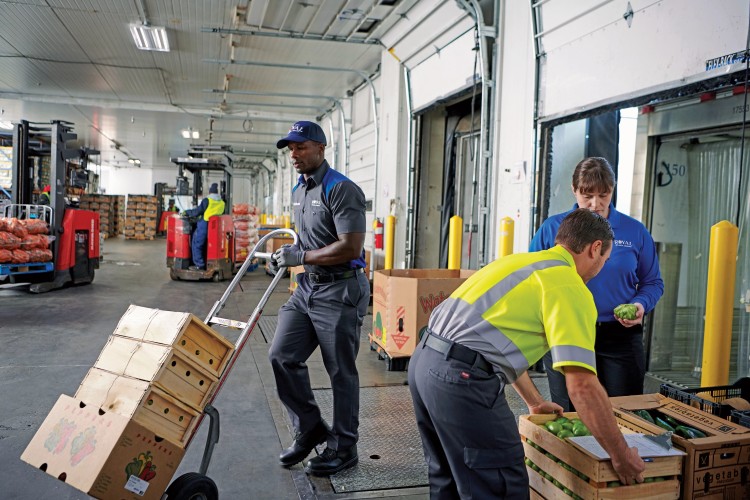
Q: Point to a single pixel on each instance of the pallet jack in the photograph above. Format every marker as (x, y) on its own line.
(74, 232)
(198, 484)
(220, 248)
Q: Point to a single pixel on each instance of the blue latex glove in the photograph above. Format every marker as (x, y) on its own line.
(289, 256)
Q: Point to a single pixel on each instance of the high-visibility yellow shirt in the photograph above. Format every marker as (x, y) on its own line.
(214, 208)
(517, 308)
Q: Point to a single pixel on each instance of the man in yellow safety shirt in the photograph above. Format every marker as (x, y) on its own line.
(211, 205)
(485, 335)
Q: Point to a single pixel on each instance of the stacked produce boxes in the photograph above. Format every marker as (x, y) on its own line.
(140, 221)
(106, 206)
(124, 432)
(245, 218)
(717, 464)
(120, 211)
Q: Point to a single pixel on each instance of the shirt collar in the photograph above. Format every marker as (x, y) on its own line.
(614, 215)
(562, 252)
(317, 176)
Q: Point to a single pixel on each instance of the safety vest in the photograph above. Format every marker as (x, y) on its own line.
(214, 208)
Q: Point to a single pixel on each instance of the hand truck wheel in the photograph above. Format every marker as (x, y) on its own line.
(193, 486)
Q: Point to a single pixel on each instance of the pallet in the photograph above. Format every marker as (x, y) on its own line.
(26, 268)
(393, 364)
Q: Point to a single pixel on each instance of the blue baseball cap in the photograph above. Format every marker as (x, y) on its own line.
(301, 132)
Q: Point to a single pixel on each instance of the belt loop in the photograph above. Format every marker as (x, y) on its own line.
(448, 351)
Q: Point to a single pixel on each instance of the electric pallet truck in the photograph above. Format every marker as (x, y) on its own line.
(219, 248)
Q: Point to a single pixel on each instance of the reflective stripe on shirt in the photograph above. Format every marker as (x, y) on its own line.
(515, 308)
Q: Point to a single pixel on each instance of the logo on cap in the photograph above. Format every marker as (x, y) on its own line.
(297, 128)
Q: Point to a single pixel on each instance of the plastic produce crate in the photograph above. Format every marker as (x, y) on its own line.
(709, 399)
(742, 417)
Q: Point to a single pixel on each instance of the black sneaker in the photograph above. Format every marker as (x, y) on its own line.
(332, 461)
(303, 444)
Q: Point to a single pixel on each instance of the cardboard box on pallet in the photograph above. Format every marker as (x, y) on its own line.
(146, 404)
(599, 473)
(184, 331)
(103, 454)
(717, 466)
(403, 300)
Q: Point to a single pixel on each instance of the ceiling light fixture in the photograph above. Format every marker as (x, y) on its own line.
(6, 125)
(190, 133)
(150, 37)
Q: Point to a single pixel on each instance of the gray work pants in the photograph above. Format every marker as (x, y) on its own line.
(328, 315)
(471, 442)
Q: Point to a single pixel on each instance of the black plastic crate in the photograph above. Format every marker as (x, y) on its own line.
(740, 389)
(742, 417)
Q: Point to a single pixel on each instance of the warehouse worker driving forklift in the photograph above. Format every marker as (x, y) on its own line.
(211, 205)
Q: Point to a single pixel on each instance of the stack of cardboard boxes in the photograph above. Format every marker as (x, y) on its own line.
(107, 208)
(140, 222)
(120, 211)
(124, 432)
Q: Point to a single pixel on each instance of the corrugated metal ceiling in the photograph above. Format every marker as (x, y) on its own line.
(75, 60)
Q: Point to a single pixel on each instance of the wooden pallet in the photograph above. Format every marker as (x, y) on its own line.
(393, 364)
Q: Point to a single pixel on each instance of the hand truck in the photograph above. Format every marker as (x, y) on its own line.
(196, 485)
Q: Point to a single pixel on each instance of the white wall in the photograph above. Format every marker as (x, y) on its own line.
(592, 55)
(127, 180)
(514, 125)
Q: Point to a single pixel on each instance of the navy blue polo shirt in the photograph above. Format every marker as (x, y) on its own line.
(325, 205)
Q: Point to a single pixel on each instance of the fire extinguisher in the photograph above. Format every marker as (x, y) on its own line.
(377, 229)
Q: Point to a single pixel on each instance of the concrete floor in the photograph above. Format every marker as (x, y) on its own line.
(51, 340)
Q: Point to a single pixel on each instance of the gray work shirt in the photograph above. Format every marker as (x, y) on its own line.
(326, 205)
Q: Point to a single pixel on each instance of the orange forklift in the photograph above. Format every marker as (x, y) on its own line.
(220, 248)
(73, 233)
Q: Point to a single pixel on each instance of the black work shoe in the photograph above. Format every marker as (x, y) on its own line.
(303, 444)
(332, 461)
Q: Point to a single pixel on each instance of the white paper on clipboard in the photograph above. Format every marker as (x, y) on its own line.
(646, 447)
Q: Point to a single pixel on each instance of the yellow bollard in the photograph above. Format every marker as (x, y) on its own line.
(507, 228)
(455, 242)
(390, 233)
(287, 222)
(717, 337)
(262, 219)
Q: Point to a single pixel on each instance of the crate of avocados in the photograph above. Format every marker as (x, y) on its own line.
(558, 468)
(717, 400)
(717, 464)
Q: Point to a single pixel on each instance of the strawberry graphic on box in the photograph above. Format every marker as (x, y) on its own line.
(83, 445)
(58, 438)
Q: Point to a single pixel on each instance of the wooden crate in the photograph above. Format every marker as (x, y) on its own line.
(183, 331)
(144, 403)
(164, 366)
(599, 472)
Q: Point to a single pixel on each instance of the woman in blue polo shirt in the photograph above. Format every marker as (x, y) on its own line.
(631, 276)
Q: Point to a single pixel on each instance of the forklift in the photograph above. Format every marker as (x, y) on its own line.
(73, 233)
(220, 243)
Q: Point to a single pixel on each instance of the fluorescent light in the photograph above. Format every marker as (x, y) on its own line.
(137, 161)
(185, 134)
(131, 160)
(196, 134)
(150, 37)
(6, 125)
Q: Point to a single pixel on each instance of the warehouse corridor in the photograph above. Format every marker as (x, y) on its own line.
(51, 340)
